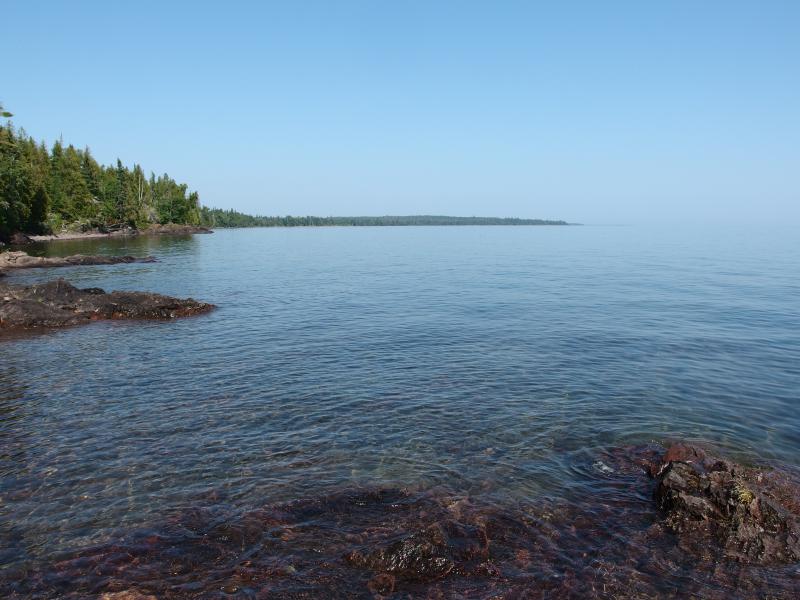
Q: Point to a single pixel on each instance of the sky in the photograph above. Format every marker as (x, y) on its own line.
(592, 112)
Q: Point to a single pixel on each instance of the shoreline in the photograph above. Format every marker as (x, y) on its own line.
(95, 234)
(76, 235)
(21, 239)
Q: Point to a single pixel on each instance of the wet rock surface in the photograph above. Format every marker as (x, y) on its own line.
(59, 304)
(750, 513)
(22, 260)
(621, 541)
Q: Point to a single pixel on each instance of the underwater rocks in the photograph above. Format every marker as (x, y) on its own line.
(21, 260)
(59, 304)
(425, 555)
(632, 533)
(752, 514)
(127, 595)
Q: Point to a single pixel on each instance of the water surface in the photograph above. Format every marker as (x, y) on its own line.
(497, 361)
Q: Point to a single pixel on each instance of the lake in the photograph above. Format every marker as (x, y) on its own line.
(503, 364)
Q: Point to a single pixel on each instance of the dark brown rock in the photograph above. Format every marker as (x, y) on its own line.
(59, 304)
(749, 513)
(423, 556)
(21, 260)
(392, 543)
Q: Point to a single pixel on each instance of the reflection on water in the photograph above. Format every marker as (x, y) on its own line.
(140, 245)
(496, 362)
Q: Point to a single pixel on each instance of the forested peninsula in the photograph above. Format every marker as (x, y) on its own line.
(60, 189)
(216, 217)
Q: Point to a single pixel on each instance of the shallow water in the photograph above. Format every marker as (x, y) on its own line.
(499, 362)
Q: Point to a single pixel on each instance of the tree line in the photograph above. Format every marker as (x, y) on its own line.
(43, 188)
(216, 217)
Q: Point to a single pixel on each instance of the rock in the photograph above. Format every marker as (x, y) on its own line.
(434, 543)
(19, 239)
(382, 584)
(127, 595)
(175, 229)
(22, 260)
(654, 465)
(114, 231)
(426, 555)
(751, 515)
(423, 556)
(59, 304)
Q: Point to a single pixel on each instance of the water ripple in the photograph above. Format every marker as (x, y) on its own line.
(501, 362)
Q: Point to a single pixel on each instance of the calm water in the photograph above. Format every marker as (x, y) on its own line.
(501, 362)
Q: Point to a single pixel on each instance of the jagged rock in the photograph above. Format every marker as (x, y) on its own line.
(22, 260)
(751, 514)
(59, 304)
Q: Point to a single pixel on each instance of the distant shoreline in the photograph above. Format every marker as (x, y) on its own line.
(286, 222)
(219, 218)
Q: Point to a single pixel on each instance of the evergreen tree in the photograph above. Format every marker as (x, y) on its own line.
(121, 194)
(77, 198)
(67, 186)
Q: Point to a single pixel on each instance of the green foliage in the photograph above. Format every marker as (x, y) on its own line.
(54, 223)
(42, 190)
(216, 217)
(18, 183)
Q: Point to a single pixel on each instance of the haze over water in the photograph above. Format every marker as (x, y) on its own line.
(497, 361)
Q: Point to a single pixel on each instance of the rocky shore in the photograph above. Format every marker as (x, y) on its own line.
(20, 239)
(59, 304)
(22, 260)
(750, 514)
(662, 523)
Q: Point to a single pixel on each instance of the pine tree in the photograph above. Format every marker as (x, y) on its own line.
(41, 188)
(122, 193)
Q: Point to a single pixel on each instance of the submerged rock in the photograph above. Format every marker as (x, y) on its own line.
(751, 514)
(22, 260)
(127, 595)
(59, 304)
(422, 556)
(435, 543)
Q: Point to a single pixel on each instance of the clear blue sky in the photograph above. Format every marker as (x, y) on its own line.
(597, 112)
